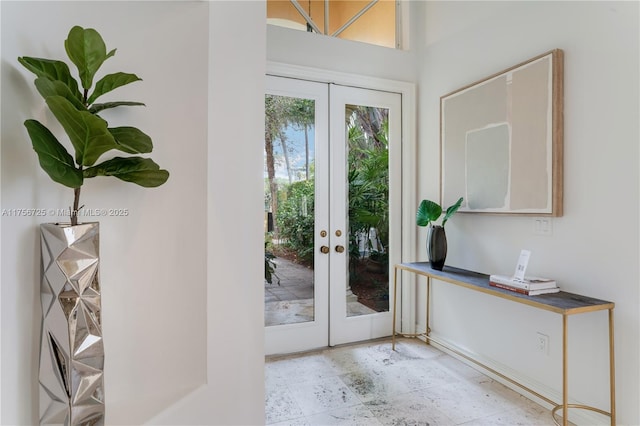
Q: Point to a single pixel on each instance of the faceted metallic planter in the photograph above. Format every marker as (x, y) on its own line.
(71, 350)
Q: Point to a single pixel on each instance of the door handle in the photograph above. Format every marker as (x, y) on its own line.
(324, 249)
(339, 249)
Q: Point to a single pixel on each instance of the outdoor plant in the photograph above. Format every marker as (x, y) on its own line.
(75, 108)
(269, 266)
(369, 188)
(430, 211)
(295, 219)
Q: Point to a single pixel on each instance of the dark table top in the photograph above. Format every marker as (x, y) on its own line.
(562, 302)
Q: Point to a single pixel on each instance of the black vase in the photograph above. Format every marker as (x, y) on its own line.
(437, 247)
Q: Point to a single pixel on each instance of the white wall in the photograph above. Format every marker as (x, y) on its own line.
(181, 302)
(593, 249)
(234, 394)
(329, 53)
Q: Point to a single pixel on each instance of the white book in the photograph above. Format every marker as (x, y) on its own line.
(528, 283)
(523, 291)
(544, 291)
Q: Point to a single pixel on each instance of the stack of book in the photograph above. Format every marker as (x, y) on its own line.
(530, 286)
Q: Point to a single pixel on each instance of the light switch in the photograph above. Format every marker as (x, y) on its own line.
(542, 226)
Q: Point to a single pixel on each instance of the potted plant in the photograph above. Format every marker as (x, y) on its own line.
(72, 352)
(429, 212)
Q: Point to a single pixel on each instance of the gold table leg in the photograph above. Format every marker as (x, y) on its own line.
(612, 370)
(395, 303)
(427, 330)
(565, 381)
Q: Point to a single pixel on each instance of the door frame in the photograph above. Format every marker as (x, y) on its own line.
(406, 315)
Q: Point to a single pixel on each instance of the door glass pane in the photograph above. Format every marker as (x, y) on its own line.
(368, 204)
(289, 188)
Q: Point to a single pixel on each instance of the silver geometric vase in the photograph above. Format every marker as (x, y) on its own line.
(71, 349)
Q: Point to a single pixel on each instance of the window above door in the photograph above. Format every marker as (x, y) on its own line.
(373, 22)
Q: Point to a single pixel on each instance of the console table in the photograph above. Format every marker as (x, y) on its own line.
(562, 303)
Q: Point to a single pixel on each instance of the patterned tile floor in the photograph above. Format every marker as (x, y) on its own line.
(369, 384)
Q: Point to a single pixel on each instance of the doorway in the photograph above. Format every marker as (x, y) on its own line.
(332, 212)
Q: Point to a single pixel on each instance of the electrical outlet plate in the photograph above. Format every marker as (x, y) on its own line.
(542, 226)
(542, 343)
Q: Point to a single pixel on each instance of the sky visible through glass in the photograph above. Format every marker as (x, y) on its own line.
(295, 143)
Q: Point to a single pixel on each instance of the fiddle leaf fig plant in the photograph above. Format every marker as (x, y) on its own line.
(74, 107)
(430, 211)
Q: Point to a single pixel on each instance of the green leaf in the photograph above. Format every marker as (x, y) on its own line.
(111, 82)
(53, 70)
(87, 132)
(367, 217)
(131, 140)
(48, 88)
(142, 171)
(451, 210)
(96, 108)
(53, 157)
(87, 51)
(428, 211)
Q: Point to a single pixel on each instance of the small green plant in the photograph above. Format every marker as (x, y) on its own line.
(295, 220)
(76, 110)
(430, 211)
(270, 267)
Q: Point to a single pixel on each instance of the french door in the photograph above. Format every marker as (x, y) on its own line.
(332, 213)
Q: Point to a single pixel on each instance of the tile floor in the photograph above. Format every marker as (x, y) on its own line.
(291, 301)
(369, 384)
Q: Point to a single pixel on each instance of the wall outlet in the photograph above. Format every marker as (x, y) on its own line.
(542, 343)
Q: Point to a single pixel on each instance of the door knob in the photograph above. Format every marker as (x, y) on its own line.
(339, 249)
(324, 249)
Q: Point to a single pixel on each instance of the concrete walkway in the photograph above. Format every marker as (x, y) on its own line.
(292, 301)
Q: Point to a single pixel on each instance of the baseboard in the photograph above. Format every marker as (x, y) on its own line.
(576, 416)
